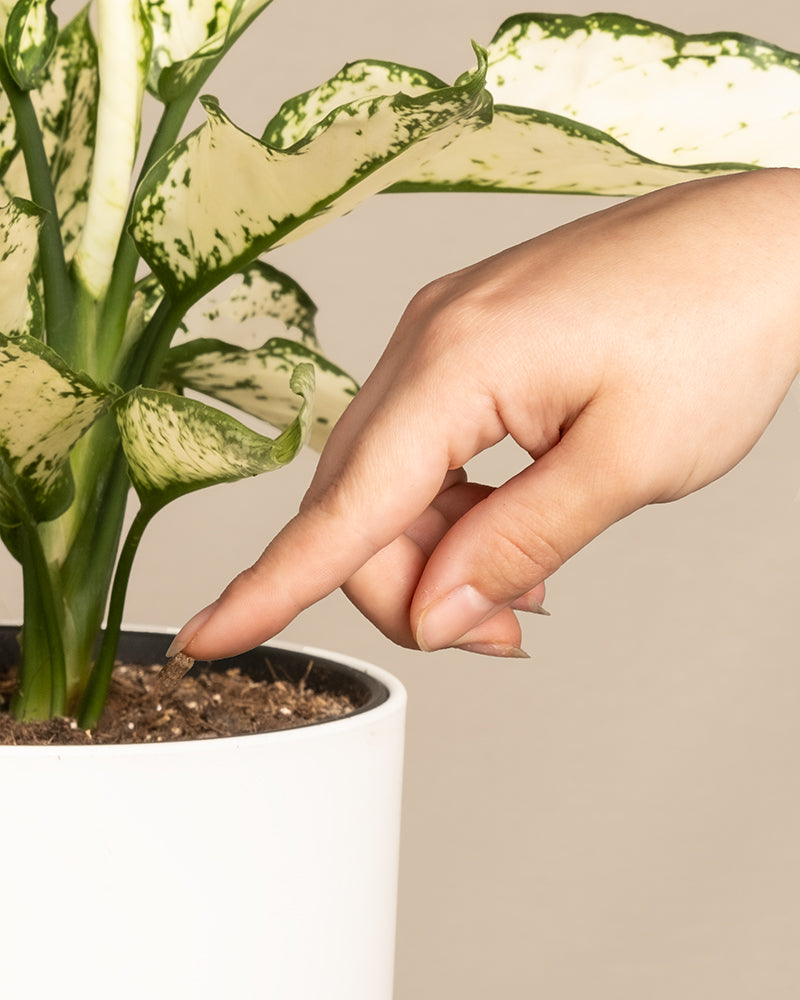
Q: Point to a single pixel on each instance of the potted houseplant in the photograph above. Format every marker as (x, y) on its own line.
(101, 293)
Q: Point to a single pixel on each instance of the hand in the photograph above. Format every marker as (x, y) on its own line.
(636, 355)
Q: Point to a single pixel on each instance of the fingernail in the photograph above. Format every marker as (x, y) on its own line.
(494, 649)
(532, 607)
(451, 617)
(190, 630)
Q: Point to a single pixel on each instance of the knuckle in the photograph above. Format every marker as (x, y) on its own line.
(521, 554)
(448, 309)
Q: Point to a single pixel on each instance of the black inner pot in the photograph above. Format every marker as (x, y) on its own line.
(264, 662)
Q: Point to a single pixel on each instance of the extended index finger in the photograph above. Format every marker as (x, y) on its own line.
(374, 479)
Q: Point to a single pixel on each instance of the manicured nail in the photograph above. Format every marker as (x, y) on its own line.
(494, 649)
(190, 630)
(451, 617)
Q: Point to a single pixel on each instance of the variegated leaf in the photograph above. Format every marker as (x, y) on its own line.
(124, 61)
(44, 410)
(20, 309)
(146, 298)
(66, 106)
(190, 37)
(8, 134)
(565, 119)
(194, 229)
(30, 37)
(175, 445)
(245, 307)
(6, 6)
(257, 381)
(354, 82)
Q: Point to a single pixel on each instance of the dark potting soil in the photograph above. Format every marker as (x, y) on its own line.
(202, 705)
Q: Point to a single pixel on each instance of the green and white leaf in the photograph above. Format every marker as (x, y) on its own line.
(190, 37)
(354, 82)
(146, 298)
(257, 381)
(30, 37)
(66, 106)
(6, 6)
(565, 120)
(194, 227)
(124, 60)
(252, 304)
(175, 445)
(246, 310)
(44, 409)
(20, 308)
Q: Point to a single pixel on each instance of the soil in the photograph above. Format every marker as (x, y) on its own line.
(200, 705)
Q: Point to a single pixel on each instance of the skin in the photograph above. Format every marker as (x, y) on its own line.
(636, 355)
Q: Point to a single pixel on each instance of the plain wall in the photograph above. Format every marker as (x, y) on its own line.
(618, 817)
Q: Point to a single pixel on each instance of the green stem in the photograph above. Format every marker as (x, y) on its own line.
(94, 698)
(87, 570)
(55, 276)
(143, 364)
(42, 687)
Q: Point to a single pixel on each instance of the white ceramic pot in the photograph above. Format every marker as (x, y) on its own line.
(228, 869)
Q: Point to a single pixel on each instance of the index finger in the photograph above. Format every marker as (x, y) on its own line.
(377, 474)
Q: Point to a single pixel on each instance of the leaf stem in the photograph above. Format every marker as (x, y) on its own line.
(42, 687)
(96, 690)
(55, 275)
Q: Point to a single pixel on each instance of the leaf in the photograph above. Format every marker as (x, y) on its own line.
(175, 445)
(146, 298)
(532, 151)
(565, 121)
(6, 6)
(124, 60)
(353, 82)
(249, 373)
(194, 227)
(30, 37)
(44, 410)
(258, 294)
(256, 381)
(190, 37)
(66, 106)
(20, 309)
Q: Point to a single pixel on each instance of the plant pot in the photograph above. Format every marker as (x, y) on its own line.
(241, 867)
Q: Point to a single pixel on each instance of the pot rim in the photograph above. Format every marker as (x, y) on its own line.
(370, 715)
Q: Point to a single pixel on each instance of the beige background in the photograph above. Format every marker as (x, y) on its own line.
(618, 817)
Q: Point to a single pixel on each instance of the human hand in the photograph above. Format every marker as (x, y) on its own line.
(636, 354)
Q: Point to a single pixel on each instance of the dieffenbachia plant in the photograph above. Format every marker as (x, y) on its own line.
(108, 374)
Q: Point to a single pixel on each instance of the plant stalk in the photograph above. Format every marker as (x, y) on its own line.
(96, 690)
(42, 686)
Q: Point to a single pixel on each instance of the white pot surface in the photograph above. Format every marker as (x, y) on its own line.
(256, 866)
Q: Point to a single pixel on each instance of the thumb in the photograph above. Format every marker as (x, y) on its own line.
(510, 542)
